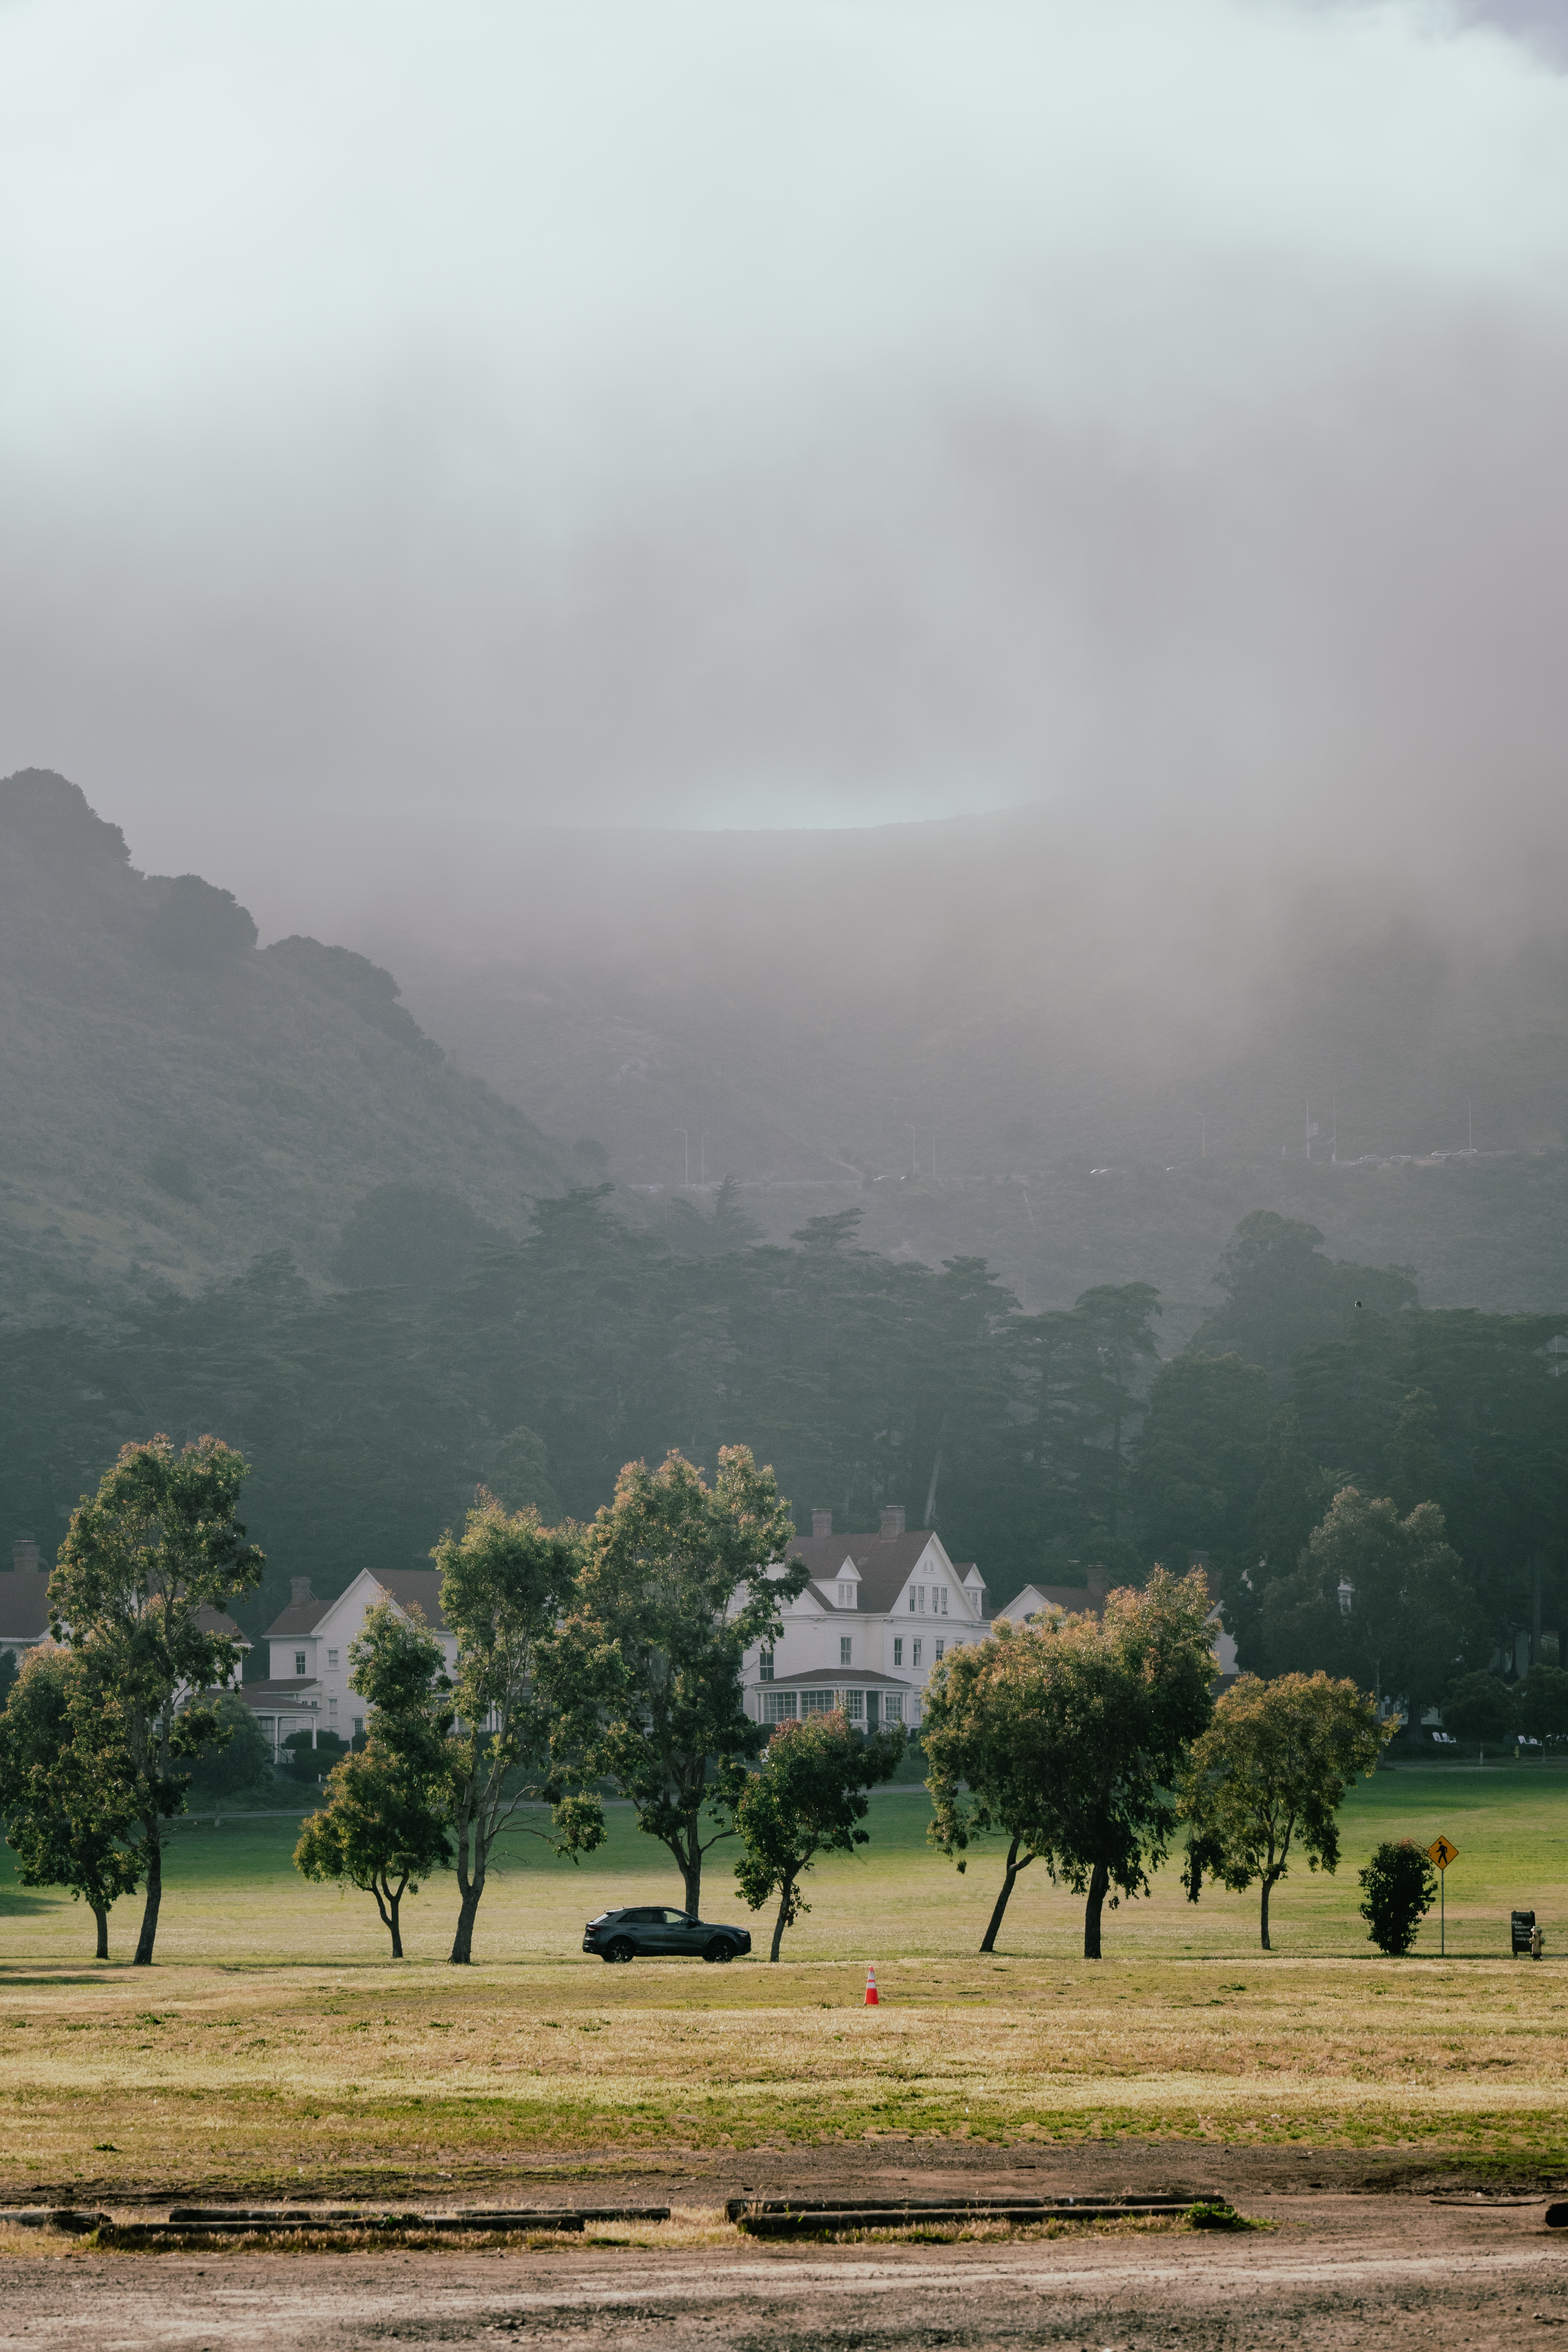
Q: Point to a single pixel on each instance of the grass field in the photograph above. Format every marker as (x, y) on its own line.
(276, 2043)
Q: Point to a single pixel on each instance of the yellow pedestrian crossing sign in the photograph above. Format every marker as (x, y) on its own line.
(1442, 1853)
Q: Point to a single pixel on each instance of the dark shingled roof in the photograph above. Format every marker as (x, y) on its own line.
(884, 1562)
(838, 1678)
(411, 1588)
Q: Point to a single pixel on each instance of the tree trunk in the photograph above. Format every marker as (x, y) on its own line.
(988, 1941)
(463, 1941)
(100, 1913)
(689, 1857)
(387, 1901)
(154, 1850)
(1098, 1887)
(785, 1891)
(1268, 1878)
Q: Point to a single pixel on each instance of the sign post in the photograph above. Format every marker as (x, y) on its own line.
(1442, 1853)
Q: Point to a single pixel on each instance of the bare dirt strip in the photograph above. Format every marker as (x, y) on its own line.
(1335, 2270)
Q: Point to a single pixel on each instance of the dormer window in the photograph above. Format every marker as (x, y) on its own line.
(846, 1596)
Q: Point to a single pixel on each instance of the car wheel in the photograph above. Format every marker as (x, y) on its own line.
(620, 1950)
(719, 1949)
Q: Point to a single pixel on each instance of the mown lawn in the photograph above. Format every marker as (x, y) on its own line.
(276, 2044)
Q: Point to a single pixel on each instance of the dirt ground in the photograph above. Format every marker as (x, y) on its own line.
(1364, 2251)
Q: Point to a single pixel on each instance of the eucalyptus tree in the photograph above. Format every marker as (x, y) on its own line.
(1268, 1777)
(156, 1550)
(1069, 1736)
(679, 1581)
(807, 1797)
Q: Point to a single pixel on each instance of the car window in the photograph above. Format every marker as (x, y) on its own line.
(644, 1918)
(673, 1918)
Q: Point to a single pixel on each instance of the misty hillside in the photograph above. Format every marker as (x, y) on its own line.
(177, 1100)
(1105, 1062)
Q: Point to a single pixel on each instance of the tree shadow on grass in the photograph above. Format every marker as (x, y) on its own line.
(20, 1903)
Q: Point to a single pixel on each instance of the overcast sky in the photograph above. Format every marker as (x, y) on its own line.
(718, 412)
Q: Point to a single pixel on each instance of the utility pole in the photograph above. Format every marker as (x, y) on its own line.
(702, 1160)
(1470, 1123)
(687, 1140)
(914, 1163)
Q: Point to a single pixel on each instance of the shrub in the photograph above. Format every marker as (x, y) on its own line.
(1400, 1887)
(312, 1764)
(242, 1768)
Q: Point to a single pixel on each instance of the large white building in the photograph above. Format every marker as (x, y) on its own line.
(307, 1685)
(879, 1612)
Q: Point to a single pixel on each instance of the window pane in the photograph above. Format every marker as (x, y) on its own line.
(778, 1707)
(892, 1706)
(816, 1702)
(854, 1705)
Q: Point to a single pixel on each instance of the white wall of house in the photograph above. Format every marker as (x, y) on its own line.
(322, 1655)
(935, 1610)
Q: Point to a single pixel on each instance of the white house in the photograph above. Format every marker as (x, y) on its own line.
(24, 1601)
(25, 1608)
(879, 1612)
(306, 1687)
(1071, 1599)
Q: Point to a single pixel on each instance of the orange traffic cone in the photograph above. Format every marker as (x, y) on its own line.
(872, 1998)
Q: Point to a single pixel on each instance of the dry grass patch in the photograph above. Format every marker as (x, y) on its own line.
(311, 2082)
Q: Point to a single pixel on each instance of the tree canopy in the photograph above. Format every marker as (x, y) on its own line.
(807, 1797)
(1102, 1710)
(678, 1579)
(1269, 1774)
(145, 1560)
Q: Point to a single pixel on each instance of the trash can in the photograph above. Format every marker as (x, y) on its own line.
(1523, 1921)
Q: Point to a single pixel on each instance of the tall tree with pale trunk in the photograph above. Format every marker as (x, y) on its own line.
(154, 1549)
(679, 1579)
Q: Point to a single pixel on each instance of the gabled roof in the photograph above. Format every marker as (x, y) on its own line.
(214, 1621)
(1072, 1599)
(411, 1588)
(886, 1564)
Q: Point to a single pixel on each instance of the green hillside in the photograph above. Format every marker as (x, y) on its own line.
(178, 1100)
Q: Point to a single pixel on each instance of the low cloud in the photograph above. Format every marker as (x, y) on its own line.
(416, 431)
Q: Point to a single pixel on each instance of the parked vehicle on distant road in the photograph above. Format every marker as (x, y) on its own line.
(650, 1932)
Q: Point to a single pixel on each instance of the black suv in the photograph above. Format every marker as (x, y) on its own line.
(650, 1932)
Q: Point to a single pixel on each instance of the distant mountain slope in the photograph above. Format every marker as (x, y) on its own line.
(1083, 1058)
(177, 1100)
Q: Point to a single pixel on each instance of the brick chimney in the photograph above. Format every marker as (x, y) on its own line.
(892, 1518)
(25, 1556)
(822, 1523)
(299, 1591)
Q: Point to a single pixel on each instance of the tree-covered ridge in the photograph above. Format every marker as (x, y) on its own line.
(178, 1100)
(1039, 1445)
